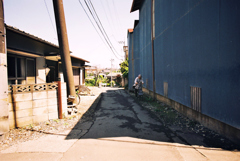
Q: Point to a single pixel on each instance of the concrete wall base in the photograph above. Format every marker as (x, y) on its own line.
(222, 128)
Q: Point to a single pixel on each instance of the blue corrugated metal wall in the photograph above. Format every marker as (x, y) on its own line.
(196, 44)
(130, 60)
(136, 52)
(145, 47)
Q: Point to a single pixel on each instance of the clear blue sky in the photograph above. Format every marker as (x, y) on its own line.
(32, 16)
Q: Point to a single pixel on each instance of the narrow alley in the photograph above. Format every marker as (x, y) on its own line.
(119, 128)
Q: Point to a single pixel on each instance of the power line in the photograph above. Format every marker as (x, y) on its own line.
(91, 22)
(94, 15)
(117, 15)
(102, 27)
(50, 17)
(106, 16)
(109, 8)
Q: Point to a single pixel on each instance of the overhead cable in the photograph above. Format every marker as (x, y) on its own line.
(103, 28)
(94, 15)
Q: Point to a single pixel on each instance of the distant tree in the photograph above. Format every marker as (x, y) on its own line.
(124, 68)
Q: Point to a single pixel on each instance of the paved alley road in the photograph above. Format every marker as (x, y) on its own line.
(121, 129)
(118, 128)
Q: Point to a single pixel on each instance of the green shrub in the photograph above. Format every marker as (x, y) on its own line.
(102, 80)
(126, 86)
(109, 84)
(89, 82)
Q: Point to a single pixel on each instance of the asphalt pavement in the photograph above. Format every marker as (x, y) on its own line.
(119, 128)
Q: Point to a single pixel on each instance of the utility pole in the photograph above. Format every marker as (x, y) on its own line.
(64, 48)
(152, 42)
(111, 70)
(4, 123)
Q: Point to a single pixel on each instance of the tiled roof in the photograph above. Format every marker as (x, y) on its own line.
(29, 35)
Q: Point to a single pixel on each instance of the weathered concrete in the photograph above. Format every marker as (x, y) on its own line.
(35, 106)
(222, 128)
(118, 128)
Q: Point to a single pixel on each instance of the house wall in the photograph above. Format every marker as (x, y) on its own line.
(4, 126)
(80, 75)
(196, 45)
(40, 70)
(30, 104)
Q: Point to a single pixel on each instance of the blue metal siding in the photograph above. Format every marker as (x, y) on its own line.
(130, 64)
(136, 52)
(145, 47)
(196, 44)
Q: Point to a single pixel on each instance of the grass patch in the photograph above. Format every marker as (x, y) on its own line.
(166, 113)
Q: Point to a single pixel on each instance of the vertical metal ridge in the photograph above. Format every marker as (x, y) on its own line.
(196, 98)
(165, 89)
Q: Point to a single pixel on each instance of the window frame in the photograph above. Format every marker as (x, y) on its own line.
(16, 78)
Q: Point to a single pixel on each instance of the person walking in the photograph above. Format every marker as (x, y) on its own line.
(138, 85)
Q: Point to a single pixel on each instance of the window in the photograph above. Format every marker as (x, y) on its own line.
(30, 68)
(11, 67)
(20, 68)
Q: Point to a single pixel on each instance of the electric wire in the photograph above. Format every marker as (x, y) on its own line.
(50, 16)
(103, 28)
(106, 16)
(91, 22)
(117, 16)
(112, 19)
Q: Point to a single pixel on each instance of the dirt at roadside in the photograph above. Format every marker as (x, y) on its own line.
(173, 119)
(55, 126)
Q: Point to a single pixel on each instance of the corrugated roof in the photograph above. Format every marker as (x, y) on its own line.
(29, 35)
(80, 59)
(136, 4)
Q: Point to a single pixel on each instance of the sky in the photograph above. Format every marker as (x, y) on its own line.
(37, 18)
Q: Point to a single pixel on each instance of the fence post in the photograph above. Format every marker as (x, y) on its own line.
(59, 100)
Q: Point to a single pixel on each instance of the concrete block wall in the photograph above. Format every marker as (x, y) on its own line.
(64, 99)
(31, 106)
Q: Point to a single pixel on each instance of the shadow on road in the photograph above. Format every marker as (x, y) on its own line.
(118, 115)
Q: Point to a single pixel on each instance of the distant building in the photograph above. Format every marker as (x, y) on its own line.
(125, 49)
(92, 70)
(106, 70)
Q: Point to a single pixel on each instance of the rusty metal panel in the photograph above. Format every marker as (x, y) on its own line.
(147, 84)
(165, 87)
(196, 98)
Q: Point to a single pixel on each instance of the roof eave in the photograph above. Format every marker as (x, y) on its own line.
(136, 4)
(80, 59)
(30, 35)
